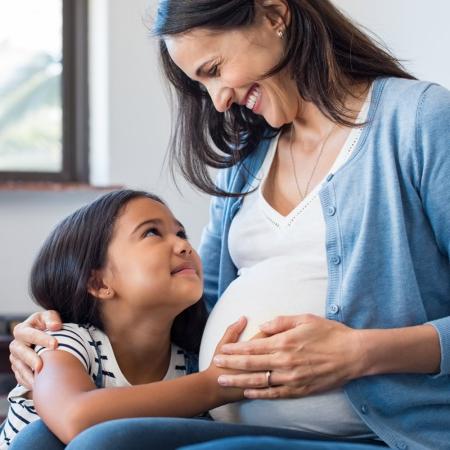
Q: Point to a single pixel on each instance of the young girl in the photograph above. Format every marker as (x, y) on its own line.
(127, 283)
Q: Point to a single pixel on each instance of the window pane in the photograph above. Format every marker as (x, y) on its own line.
(30, 86)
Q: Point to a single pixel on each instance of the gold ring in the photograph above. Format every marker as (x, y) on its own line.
(268, 375)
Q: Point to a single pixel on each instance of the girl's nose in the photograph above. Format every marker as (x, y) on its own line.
(182, 246)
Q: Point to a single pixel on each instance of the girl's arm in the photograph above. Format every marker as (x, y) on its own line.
(68, 402)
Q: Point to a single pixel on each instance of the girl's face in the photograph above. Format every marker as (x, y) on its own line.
(229, 65)
(150, 263)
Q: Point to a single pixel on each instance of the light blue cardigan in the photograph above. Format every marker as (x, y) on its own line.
(387, 213)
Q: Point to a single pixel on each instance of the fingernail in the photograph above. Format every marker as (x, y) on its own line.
(249, 394)
(218, 361)
(223, 380)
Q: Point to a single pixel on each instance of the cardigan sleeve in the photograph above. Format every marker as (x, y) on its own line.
(433, 144)
(211, 245)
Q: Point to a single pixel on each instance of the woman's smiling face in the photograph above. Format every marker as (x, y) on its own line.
(230, 64)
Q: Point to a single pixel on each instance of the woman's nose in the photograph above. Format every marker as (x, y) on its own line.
(222, 98)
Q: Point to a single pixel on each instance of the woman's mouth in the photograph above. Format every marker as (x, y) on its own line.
(253, 98)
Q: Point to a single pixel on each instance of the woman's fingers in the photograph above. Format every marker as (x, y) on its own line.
(24, 360)
(272, 393)
(43, 320)
(52, 320)
(253, 363)
(22, 372)
(253, 380)
(26, 334)
(267, 378)
(284, 323)
(256, 346)
(303, 388)
(310, 354)
(25, 355)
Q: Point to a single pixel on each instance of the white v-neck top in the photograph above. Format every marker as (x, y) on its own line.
(282, 270)
(291, 247)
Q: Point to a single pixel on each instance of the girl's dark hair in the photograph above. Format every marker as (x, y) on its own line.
(77, 247)
(324, 50)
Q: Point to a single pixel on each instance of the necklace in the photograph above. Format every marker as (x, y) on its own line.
(303, 195)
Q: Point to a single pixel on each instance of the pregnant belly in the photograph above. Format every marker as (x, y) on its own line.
(261, 294)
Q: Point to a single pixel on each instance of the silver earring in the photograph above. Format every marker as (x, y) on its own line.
(280, 33)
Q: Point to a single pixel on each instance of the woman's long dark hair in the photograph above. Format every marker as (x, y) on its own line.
(324, 50)
(77, 247)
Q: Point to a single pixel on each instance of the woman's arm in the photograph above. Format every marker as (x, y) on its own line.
(309, 354)
(67, 400)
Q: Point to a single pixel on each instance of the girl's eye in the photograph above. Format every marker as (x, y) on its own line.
(152, 232)
(182, 234)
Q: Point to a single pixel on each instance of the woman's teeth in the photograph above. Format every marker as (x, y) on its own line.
(253, 98)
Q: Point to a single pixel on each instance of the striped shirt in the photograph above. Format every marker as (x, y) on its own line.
(93, 349)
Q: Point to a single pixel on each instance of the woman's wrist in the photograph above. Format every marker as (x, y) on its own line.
(413, 349)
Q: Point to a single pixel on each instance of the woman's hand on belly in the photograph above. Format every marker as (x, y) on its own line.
(306, 354)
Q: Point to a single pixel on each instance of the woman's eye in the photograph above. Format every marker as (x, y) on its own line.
(214, 71)
(152, 232)
(182, 234)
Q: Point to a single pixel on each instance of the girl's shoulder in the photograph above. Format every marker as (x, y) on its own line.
(79, 340)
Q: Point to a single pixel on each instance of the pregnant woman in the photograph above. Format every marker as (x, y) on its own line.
(329, 231)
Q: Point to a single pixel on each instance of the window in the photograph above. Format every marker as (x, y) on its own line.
(43, 91)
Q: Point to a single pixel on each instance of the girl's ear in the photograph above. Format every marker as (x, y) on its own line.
(98, 288)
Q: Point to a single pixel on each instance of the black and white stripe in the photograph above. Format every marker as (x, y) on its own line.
(90, 346)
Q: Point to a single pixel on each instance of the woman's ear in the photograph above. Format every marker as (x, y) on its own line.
(277, 12)
(98, 287)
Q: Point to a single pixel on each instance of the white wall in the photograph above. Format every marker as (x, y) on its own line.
(130, 120)
(416, 31)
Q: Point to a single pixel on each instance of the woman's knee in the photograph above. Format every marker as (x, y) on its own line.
(273, 443)
(131, 434)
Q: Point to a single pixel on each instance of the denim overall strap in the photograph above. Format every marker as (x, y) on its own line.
(191, 359)
(99, 376)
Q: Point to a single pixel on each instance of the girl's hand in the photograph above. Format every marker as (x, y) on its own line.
(231, 336)
(306, 354)
(24, 359)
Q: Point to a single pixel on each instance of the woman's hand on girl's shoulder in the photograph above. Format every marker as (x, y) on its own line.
(31, 332)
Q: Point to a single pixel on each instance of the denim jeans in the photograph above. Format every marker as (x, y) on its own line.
(171, 434)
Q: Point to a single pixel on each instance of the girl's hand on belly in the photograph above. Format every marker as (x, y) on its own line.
(306, 354)
(226, 394)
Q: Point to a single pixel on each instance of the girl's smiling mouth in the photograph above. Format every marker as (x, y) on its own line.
(186, 268)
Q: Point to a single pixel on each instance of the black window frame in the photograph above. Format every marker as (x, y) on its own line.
(75, 102)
